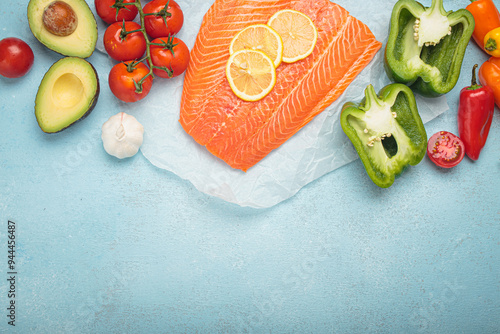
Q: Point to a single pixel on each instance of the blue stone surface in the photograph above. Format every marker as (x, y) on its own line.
(120, 246)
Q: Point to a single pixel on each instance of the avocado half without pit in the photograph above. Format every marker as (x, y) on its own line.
(64, 26)
(68, 93)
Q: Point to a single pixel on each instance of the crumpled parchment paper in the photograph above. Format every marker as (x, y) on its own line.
(317, 149)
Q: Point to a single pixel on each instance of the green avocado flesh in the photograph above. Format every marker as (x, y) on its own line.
(81, 43)
(68, 92)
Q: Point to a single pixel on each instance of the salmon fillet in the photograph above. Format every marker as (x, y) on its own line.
(243, 133)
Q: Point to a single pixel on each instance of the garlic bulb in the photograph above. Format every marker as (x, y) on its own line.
(122, 135)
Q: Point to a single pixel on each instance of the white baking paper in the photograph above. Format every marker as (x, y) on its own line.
(317, 149)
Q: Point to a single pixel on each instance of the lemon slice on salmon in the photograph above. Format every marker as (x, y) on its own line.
(260, 37)
(251, 74)
(298, 33)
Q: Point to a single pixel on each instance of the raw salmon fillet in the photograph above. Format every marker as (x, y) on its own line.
(242, 133)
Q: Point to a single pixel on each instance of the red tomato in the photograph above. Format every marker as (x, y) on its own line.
(16, 57)
(173, 54)
(155, 24)
(445, 149)
(121, 45)
(107, 10)
(124, 78)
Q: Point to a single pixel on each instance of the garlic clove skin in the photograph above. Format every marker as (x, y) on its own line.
(122, 135)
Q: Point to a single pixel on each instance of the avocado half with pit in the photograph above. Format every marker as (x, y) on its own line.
(68, 93)
(67, 27)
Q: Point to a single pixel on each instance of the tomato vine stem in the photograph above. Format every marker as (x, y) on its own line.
(167, 45)
(119, 4)
(147, 58)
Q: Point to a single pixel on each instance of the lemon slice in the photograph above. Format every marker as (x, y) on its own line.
(251, 74)
(298, 33)
(259, 37)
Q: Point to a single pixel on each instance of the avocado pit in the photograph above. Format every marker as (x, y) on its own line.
(60, 19)
(67, 27)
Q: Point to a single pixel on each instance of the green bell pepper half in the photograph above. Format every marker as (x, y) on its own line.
(386, 131)
(426, 46)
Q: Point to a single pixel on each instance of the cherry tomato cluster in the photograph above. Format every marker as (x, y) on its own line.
(144, 50)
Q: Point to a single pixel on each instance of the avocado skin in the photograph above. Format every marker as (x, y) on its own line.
(90, 108)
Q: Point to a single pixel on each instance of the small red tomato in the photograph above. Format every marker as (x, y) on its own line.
(121, 44)
(172, 54)
(125, 81)
(111, 11)
(166, 11)
(16, 57)
(445, 149)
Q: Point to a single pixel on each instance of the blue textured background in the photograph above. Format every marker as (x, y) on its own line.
(108, 246)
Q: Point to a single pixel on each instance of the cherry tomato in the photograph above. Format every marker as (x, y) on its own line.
(173, 54)
(445, 149)
(16, 57)
(107, 10)
(155, 24)
(124, 78)
(121, 45)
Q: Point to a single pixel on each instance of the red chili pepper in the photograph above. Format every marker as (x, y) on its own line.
(475, 113)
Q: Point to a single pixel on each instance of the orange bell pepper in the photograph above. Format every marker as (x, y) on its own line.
(489, 75)
(487, 18)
